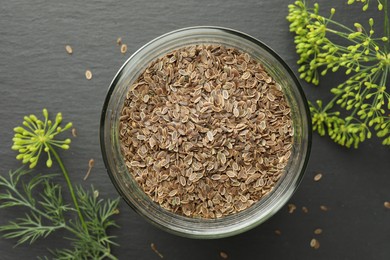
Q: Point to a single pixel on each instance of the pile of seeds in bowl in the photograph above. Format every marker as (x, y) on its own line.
(205, 131)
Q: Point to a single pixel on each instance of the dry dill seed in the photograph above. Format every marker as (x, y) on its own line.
(291, 208)
(278, 232)
(236, 113)
(318, 231)
(317, 177)
(223, 255)
(204, 136)
(305, 209)
(387, 204)
(74, 132)
(88, 74)
(119, 41)
(68, 49)
(210, 136)
(154, 248)
(123, 48)
(91, 163)
(324, 208)
(314, 243)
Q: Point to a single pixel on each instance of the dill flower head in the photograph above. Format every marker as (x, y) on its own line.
(36, 136)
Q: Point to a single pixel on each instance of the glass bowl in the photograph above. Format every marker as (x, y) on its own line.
(128, 187)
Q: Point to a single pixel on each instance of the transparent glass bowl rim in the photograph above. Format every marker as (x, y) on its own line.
(282, 200)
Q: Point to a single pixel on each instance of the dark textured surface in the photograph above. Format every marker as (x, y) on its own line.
(36, 72)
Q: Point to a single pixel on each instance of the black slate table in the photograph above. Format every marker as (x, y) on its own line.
(36, 72)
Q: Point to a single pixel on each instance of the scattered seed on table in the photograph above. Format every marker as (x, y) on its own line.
(88, 74)
(153, 247)
(119, 41)
(74, 132)
(305, 210)
(123, 48)
(68, 49)
(291, 208)
(324, 208)
(318, 231)
(91, 163)
(317, 177)
(314, 243)
(387, 204)
(278, 232)
(223, 255)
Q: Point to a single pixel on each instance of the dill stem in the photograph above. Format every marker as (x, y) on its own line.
(71, 190)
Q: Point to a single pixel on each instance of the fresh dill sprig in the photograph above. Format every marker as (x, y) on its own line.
(366, 61)
(36, 135)
(96, 243)
(48, 212)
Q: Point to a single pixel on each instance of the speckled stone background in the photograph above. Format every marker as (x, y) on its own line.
(36, 72)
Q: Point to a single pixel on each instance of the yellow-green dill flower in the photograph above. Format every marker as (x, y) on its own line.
(36, 136)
